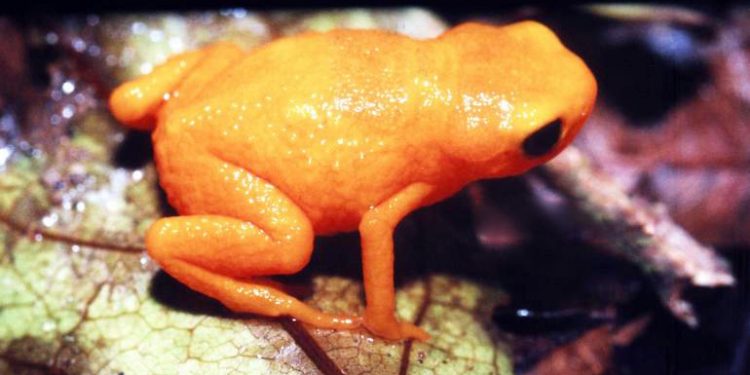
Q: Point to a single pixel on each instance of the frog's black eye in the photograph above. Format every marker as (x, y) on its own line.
(543, 140)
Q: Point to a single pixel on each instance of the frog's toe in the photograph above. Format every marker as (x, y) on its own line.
(392, 329)
(410, 331)
(321, 319)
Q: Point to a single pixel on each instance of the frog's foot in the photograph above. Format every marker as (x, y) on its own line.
(303, 312)
(392, 329)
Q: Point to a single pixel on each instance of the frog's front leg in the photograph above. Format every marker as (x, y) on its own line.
(376, 230)
(235, 228)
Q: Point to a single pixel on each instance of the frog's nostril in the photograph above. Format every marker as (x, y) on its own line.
(543, 140)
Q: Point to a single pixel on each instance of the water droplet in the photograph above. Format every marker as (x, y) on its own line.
(38, 237)
(50, 220)
(79, 45)
(80, 206)
(92, 20)
(94, 50)
(156, 35)
(51, 38)
(138, 28)
(48, 326)
(239, 13)
(75, 249)
(175, 44)
(145, 68)
(68, 111)
(68, 87)
(137, 175)
(5, 153)
(79, 98)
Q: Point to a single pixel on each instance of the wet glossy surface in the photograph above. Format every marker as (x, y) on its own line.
(314, 134)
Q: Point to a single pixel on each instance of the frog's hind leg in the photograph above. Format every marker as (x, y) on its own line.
(136, 103)
(236, 227)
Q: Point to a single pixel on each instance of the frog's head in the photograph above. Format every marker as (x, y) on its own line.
(522, 97)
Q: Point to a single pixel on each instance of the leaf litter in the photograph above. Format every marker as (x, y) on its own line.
(78, 294)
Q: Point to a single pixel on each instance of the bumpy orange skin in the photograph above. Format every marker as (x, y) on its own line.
(330, 132)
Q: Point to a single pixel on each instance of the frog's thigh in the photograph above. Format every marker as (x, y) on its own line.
(238, 227)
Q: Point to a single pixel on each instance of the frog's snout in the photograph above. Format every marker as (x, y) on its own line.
(543, 140)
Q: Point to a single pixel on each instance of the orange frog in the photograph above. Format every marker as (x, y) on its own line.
(331, 132)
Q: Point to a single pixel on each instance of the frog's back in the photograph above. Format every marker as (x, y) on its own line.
(324, 117)
(352, 83)
(314, 61)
